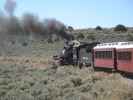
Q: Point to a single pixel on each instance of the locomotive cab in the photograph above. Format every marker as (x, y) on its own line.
(85, 53)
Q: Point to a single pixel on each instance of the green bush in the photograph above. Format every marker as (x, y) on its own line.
(91, 37)
(76, 81)
(50, 40)
(98, 28)
(130, 37)
(80, 36)
(24, 44)
(120, 28)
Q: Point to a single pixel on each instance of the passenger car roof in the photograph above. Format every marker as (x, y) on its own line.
(116, 45)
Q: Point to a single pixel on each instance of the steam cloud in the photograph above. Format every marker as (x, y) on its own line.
(10, 6)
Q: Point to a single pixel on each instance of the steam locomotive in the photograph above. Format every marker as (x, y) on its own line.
(116, 56)
(76, 53)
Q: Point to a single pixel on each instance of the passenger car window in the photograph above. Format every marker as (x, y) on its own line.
(124, 55)
(103, 54)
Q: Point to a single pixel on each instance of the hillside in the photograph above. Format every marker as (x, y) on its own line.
(28, 73)
(23, 44)
(104, 35)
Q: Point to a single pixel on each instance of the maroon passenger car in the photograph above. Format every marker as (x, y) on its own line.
(116, 55)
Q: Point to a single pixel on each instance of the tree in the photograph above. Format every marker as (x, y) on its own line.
(99, 28)
(70, 28)
(120, 28)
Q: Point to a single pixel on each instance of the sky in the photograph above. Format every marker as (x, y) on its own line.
(79, 13)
